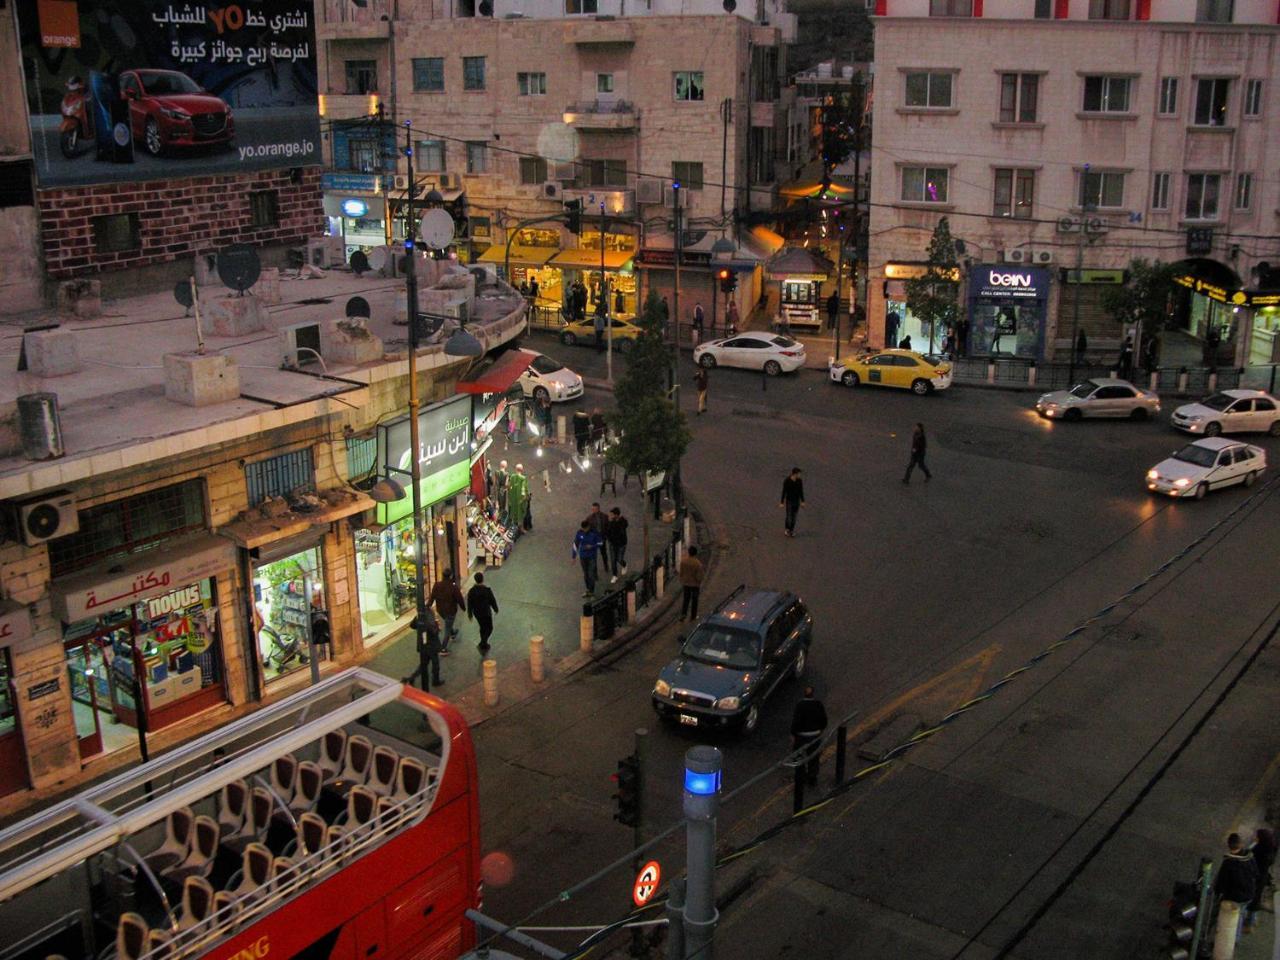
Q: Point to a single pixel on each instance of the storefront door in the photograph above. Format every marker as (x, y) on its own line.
(288, 592)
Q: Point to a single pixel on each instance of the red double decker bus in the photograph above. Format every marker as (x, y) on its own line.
(338, 824)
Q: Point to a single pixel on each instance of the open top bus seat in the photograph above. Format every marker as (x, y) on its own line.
(197, 902)
(257, 815)
(354, 773)
(306, 791)
(333, 753)
(284, 777)
(362, 810)
(311, 835)
(411, 779)
(283, 872)
(233, 804)
(204, 847)
(159, 945)
(131, 936)
(382, 772)
(255, 874)
(178, 832)
(336, 843)
(226, 910)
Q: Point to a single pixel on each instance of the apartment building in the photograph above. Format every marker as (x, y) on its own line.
(516, 106)
(1064, 138)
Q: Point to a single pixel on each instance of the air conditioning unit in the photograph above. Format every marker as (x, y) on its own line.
(300, 344)
(326, 252)
(1097, 225)
(648, 190)
(1068, 225)
(1042, 258)
(565, 170)
(552, 190)
(1017, 256)
(47, 517)
(450, 181)
(400, 181)
(668, 195)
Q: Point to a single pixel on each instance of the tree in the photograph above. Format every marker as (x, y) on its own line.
(1145, 299)
(933, 297)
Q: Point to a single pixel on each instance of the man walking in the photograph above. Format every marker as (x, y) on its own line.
(700, 379)
(792, 499)
(808, 723)
(481, 606)
(1235, 885)
(500, 478)
(918, 447)
(427, 641)
(1082, 344)
(691, 573)
(698, 318)
(446, 597)
(833, 310)
(616, 535)
(586, 544)
(599, 521)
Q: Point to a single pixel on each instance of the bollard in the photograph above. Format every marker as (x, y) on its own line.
(688, 528)
(797, 794)
(991, 373)
(1155, 380)
(1031, 375)
(631, 601)
(1112, 373)
(586, 629)
(535, 658)
(659, 576)
(1182, 380)
(842, 737)
(560, 428)
(1213, 381)
(490, 668)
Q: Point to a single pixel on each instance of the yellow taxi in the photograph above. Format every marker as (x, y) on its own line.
(916, 372)
(584, 332)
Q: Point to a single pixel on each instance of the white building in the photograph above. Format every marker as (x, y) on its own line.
(1152, 124)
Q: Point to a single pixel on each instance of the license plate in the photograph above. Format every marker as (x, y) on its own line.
(688, 720)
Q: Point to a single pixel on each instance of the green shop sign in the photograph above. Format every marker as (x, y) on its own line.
(444, 455)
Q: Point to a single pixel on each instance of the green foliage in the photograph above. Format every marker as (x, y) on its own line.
(1146, 297)
(934, 297)
(649, 359)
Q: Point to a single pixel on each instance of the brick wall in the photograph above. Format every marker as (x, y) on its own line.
(177, 218)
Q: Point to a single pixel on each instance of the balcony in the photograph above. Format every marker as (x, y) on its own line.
(601, 115)
(343, 20)
(617, 202)
(599, 30)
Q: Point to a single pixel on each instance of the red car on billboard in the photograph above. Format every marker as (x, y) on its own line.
(169, 109)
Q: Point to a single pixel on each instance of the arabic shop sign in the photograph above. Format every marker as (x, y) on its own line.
(92, 594)
(1237, 298)
(15, 623)
(444, 454)
(351, 182)
(1003, 282)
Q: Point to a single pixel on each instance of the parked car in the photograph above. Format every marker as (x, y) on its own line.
(1230, 411)
(547, 377)
(584, 332)
(734, 659)
(918, 372)
(1205, 465)
(1103, 397)
(771, 352)
(169, 109)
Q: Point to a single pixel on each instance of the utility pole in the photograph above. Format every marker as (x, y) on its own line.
(702, 766)
(638, 946)
(675, 345)
(1075, 304)
(604, 305)
(726, 117)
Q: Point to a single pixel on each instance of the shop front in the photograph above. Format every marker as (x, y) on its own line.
(800, 274)
(15, 630)
(899, 321)
(143, 640)
(1264, 340)
(528, 256)
(1008, 307)
(289, 603)
(356, 207)
(1211, 306)
(584, 263)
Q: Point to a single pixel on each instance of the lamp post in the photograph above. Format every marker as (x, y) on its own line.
(675, 340)
(1075, 306)
(604, 306)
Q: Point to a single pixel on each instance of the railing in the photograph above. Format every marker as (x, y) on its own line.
(1176, 381)
(609, 612)
(601, 106)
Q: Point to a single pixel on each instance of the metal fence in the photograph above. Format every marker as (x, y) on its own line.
(1060, 376)
(609, 612)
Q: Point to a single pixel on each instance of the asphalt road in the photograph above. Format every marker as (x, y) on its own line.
(924, 596)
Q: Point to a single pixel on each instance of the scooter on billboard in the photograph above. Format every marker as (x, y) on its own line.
(77, 120)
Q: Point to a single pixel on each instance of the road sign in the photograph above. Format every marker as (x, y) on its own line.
(646, 883)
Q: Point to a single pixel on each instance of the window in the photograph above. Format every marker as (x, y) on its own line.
(362, 456)
(1019, 93)
(951, 8)
(1253, 98)
(1044, 9)
(125, 526)
(688, 84)
(533, 170)
(264, 208)
(688, 175)
(1168, 96)
(580, 6)
(1214, 11)
(1160, 191)
(604, 83)
(1101, 189)
(1244, 191)
(362, 76)
(362, 154)
(925, 184)
(1106, 94)
(431, 156)
(1108, 9)
(473, 73)
(292, 472)
(477, 156)
(1015, 193)
(603, 173)
(428, 74)
(1211, 102)
(116, 232)
(928, 89)
(1202, 196)
(531, 84)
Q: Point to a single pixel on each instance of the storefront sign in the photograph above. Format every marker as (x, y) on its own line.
(444, 454)
(1002, 282)
(15, 623)
(44, 688)
(351, 182)
(1199, 241)
(354, 207)
(667, 258)
(914, 271)
(1093, 276)
(178, 600)
(1210, 290)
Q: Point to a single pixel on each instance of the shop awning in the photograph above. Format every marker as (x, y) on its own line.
(499, 375)
(768, 240)
(588, 259)
(520, 254)
(255, 534)
(797, 263)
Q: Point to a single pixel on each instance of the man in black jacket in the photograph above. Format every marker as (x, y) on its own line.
(792, 499)
(807, 726)
(918, 447)
(1235, 885)
(481, 606)
(428, 644)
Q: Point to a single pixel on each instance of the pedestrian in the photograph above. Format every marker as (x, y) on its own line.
(918, 446)
(698, 318)
(792, 499)
(996, 334)
(481, 606)
(599, 522)
(1125, 364)
(616, 537)
(586, 544)
(962, 338)
(833, 310)
(533, 289)
(446, 597)
(905, 343)
(700, 379)
(664, 314)
(1151, 355)
(518, 499)
(427, 641)
(808, 723)
(691, 573)
(1212, 337)
(501, 477)
(1235, 886)
(731, 318)
(598, 325)
(1263, 851)
(599, 430)
(581, 431)
(581, 300)
(524, 288)
(1082, 344)
(619, 302)
(542, 402)
(891, 321)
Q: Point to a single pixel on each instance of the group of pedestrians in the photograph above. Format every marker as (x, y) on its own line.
(601, 537)
(1242, 880)
(447, 599)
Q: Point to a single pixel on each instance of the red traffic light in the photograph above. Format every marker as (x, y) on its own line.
(723, 274)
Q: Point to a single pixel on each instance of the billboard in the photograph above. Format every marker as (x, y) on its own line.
(151, 88)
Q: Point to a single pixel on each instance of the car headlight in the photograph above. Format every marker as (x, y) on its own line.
(1181, 482)
(728, 703)
(175, 114)
(662, 688)
(1152, 475)
(1191, 419)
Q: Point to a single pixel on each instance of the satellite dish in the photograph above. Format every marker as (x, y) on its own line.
(358, 307)
(359, 263)
(182, 293)
(730, 6)
(486, 8)
(436, 229)
(239, 266)
(378, 259)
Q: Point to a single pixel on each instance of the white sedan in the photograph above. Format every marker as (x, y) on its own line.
(1230, 411)
(770, 352)
(1205, 465)
(550, 378)
(1103, 397)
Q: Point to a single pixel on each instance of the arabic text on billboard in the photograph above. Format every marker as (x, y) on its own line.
(148, 89)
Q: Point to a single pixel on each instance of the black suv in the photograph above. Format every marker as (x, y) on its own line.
(734, 659)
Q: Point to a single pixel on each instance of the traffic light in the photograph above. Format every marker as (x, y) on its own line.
(1183, 907)
(628, 795)
(728, 280)
(573, 210)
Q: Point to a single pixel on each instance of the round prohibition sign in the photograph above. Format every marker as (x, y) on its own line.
(646, 883)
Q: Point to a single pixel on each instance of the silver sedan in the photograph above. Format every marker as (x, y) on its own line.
(1102, 397)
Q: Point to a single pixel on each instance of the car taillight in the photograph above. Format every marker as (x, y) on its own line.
(789, 353)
